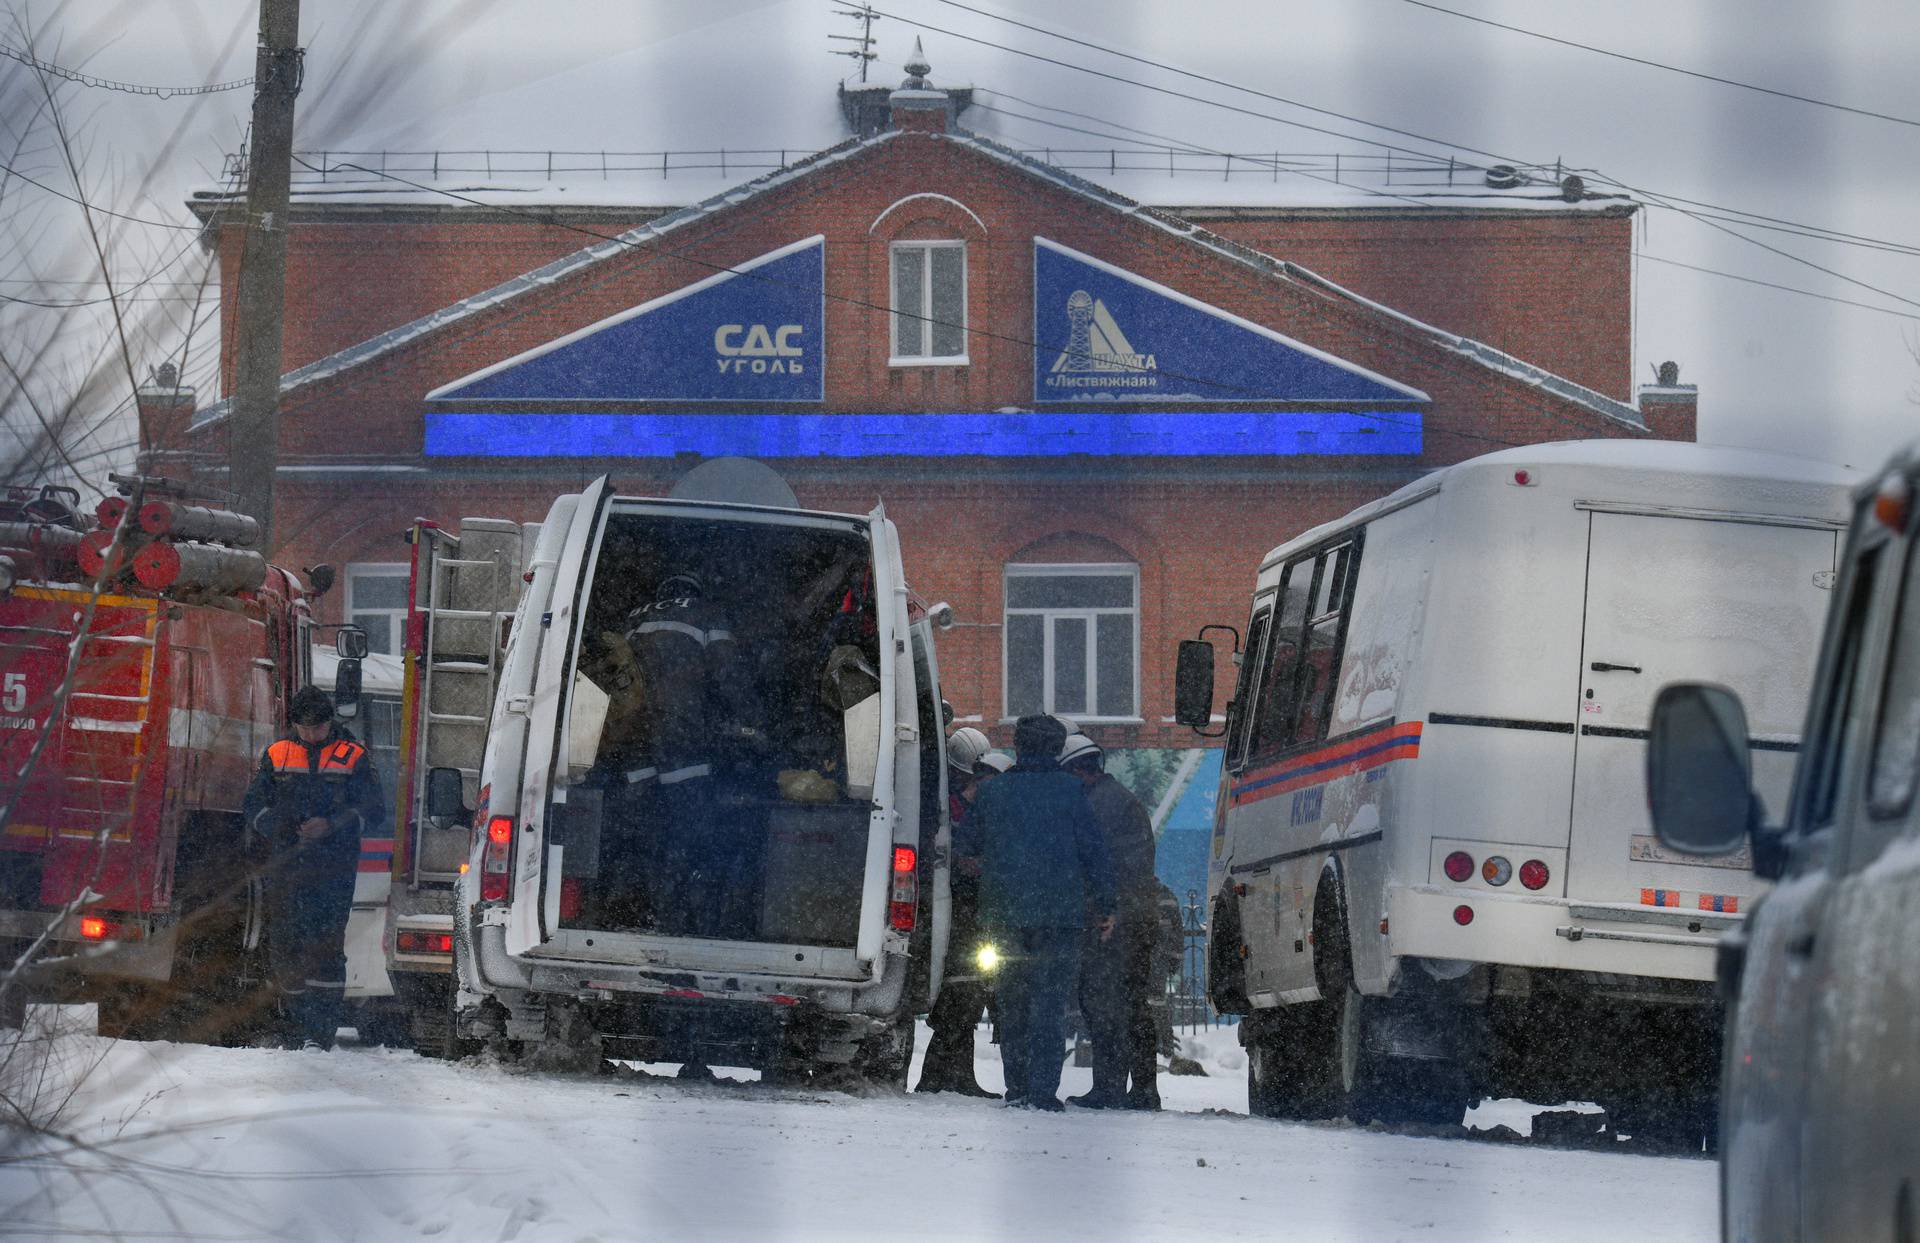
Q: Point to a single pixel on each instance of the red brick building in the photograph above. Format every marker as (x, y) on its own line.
(1089, 418)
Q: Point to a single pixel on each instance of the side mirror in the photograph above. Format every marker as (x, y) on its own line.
(446, 800)
(351, 643)
(1193, 684)
(321, 579)
(346, 688)
(1699, 769)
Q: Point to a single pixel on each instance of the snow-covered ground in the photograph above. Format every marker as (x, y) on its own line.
(370, 1144)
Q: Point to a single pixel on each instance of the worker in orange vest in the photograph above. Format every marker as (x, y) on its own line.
(312, 797)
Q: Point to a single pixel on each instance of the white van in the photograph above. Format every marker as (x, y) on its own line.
(838, 897)
(1432, 874)
(1823, 982)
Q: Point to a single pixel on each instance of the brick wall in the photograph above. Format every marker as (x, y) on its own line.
(1553, 288)
(1197, 527)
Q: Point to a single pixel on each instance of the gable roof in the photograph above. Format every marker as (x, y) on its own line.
(1478, 353)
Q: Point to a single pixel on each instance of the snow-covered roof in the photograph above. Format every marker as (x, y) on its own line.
(713, 95)
(1476, 352)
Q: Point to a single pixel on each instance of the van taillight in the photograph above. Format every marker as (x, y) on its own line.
(1534, 874)
(904, 906)
(497, 860)
(1458, 866)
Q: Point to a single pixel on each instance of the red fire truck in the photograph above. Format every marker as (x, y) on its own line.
(123, 864)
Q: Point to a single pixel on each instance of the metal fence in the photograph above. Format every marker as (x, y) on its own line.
(1365, 168)
(1187, 1004)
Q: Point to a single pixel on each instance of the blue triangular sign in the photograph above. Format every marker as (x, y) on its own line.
(1105, 334)
(753, 332)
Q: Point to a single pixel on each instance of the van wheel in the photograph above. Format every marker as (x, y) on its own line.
(1288, 1065)
(1226, 969)
(1369, 1084)
(885, 1060)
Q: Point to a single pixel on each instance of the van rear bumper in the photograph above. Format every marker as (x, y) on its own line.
(604, 980)
(1526, 931)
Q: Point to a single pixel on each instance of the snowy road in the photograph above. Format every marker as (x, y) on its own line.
(369, 1144)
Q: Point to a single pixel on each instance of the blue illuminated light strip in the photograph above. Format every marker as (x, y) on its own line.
(1097, 433)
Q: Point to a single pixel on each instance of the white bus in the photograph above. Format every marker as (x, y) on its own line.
(1432, 874)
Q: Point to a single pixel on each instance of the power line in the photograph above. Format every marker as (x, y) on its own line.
(1649, 195)
(105, 211)
(1198, 99)
(131, 88)
(1184, 145)
(1807, 293)
(1188, 73)
(1654, 64)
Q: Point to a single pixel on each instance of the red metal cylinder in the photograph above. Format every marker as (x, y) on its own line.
(163, 565)
(111, 511)
(196, 522)
(91, 554)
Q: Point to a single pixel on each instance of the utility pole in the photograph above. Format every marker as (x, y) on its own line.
(253, 432)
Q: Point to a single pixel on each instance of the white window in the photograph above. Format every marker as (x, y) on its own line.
(929, 303)
(377, 602)
(1073, 641)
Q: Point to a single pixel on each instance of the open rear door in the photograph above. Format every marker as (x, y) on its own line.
(533, 912)
(896, 784)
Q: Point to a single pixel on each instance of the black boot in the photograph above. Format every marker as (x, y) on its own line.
(967, 1085)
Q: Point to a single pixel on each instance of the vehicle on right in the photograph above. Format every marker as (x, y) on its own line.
(1821, 1082)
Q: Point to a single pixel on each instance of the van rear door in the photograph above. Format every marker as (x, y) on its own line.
(1674, 599)
(896, 787)
(529, 921)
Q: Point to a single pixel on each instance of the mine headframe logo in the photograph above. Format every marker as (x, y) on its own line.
(755, 349)
(1098, 354)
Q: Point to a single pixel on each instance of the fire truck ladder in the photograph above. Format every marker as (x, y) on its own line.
(473, 586)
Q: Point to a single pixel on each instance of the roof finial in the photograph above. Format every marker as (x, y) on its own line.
(917, 68)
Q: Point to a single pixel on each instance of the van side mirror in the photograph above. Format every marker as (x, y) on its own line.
(350, 643)
(346, 688)
(1193, 684)
(446, 800)
(1699, 769)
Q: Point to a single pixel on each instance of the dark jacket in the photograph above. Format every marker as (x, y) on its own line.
(1044, 858)
(1129, 832)
(699, 686)
(296, 782)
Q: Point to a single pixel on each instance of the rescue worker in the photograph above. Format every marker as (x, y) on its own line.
(1116, 972)
(1044, 873)
(313, 796)
(948, 1066)
(703, 732)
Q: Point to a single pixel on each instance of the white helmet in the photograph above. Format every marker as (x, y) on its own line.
(965, 746)
(1077, 747)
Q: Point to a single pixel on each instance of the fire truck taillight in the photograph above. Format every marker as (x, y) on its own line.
(424, 943)
(905, 901)
(93, 928)
(497, 860)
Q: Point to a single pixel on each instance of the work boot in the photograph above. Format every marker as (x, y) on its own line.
(1097, 1099)
(1146, 1099)
(969, 1086)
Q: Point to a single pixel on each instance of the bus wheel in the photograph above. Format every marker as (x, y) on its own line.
(1288, 1064)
